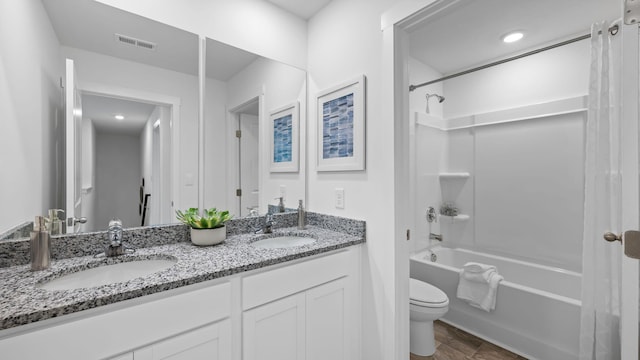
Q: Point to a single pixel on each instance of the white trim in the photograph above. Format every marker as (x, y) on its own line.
(401, 11)
(70, 142)
(630, 197)
(520, 113)
(202, 78)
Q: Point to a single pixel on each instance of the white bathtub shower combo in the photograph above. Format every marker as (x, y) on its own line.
(537, 311)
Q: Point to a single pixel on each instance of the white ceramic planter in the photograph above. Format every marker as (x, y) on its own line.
(206, 237)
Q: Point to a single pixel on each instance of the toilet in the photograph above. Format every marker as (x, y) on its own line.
(426, 304)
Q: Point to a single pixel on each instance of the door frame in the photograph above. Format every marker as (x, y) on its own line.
(630, 188)
(394, 25)
(233, 167)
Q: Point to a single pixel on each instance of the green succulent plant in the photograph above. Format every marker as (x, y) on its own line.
(210, 219)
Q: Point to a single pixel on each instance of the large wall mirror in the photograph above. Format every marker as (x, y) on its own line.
(244, 93)
(137, 153)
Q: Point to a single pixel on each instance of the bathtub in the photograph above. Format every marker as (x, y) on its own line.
(537, 311)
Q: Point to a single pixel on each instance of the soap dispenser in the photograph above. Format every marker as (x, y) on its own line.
(40, 245)
(280, 204)
(55, 223)
(302, 216)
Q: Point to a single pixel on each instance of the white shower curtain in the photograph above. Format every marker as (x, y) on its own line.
(599, 327)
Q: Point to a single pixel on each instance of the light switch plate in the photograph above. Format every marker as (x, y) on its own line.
(339, 198)
(188, 179)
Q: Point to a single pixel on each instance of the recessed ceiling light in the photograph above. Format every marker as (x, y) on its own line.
(119, 117)
(513, 37)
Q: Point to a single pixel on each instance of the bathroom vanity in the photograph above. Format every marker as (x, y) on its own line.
(231, 301)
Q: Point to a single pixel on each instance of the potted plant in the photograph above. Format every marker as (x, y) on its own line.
(206, 229)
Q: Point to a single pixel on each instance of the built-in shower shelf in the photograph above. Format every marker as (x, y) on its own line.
(457, 218)
(454, 175)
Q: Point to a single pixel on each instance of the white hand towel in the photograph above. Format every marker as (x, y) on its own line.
(477, 272)
(479, 286)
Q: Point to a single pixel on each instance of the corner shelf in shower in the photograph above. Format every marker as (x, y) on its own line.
(454, 175)
(455, 219)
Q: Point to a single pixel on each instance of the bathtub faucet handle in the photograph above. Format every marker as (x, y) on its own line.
(433, 236)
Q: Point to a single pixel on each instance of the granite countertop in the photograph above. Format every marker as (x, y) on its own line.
(22, 302)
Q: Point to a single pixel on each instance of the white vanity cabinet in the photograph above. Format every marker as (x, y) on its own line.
(211, 342)
(183, 318)
(275, 330)
(305, 311)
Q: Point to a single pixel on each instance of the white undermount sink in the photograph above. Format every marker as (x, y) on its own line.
(283, 242)
(107, 274)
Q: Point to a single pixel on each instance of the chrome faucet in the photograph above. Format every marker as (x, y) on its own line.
(267, 225)
(433, 236)
(115, 247)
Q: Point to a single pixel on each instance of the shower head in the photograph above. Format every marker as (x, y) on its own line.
(440, 99)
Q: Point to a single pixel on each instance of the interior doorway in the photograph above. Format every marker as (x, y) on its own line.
(247, 118)
(126, 156)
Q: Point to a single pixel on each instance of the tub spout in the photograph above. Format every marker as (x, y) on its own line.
(433, 236)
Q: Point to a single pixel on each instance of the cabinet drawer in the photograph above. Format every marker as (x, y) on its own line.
(271, 285)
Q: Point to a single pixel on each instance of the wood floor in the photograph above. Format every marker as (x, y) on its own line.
(455, 344)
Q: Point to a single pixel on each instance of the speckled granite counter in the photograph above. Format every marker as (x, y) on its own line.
(22, 302)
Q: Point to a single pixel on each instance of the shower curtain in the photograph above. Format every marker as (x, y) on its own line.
(599, 327)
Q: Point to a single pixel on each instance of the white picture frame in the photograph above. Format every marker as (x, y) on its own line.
(341, 127)
(284, 139)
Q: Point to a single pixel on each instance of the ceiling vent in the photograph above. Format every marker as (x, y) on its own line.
(124, 39)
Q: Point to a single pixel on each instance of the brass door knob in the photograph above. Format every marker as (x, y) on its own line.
(609, 236)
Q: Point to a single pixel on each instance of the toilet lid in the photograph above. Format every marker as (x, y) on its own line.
(421, 293)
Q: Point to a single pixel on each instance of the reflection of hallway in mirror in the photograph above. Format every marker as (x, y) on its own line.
(248, 125)
(117, 155)
(117, 177)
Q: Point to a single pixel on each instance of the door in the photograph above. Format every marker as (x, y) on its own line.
(73, 124)
(275, 331)
(248, 125)
(630, 183)
(327, 321)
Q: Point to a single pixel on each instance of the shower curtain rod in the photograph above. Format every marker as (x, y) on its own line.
(612, 30)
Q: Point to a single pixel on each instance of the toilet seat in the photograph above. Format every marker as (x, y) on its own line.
(426, 295)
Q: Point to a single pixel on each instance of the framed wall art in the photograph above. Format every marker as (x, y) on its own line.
(341, 127)
(284, 139)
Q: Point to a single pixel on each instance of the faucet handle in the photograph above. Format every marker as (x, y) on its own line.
(115, 222)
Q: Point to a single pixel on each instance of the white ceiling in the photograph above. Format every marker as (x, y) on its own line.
(91, 26)
(304, 9)
(102, 110)
(470, 33)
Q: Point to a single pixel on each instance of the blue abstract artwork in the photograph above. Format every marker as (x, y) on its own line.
(283, 139)
(337, 127)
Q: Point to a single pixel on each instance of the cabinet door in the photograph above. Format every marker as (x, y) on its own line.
(327, 322)
(275, 331)
(127, 356)
(210, 342)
